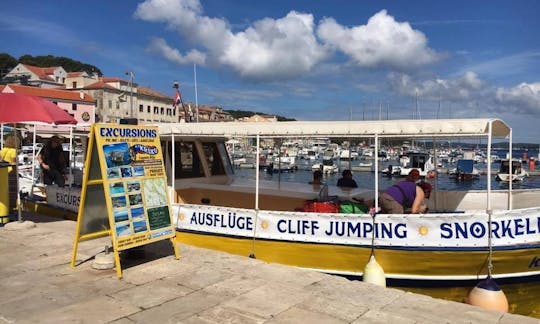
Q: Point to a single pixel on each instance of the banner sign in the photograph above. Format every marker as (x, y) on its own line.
(429, 230)
(135, 183)
(64, 197)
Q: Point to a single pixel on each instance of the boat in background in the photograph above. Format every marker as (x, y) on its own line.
(517, 173)
(347, 154)
(423, 162)
(327, 166)
(282, 164)
(391, 170)
(464, 170)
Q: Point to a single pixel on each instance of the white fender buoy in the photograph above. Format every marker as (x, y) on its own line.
(374, 273)
(488, 295)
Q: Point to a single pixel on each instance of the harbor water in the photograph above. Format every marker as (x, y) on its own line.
(366, 179)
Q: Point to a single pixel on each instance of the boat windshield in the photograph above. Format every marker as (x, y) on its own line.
(187, 163)
(212, 155)
(505, 167)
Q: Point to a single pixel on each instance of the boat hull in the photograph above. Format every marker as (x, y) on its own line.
(442, 255)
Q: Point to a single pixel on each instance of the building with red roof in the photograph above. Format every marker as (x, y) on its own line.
(78, 104)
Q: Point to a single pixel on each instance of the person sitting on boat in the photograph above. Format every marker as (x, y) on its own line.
(346, 180)
(53, 162)
(317, 178)
(406, 195)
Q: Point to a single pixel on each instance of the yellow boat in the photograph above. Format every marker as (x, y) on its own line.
(466, 237)
(441, 253)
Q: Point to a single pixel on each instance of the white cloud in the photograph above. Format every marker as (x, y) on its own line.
(271, 49)
(275, 48)
(159, 45)
(381, 42)
(464, 88)
(288, 47)
(525, 95)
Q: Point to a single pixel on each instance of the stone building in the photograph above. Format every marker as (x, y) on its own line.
(115, 98)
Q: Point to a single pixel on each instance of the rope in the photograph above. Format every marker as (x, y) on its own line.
(252, 252)
(490, 254)
(373, 213)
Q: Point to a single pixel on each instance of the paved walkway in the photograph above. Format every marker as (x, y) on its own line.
(38, 286)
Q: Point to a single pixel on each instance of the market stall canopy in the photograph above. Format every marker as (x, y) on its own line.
(384, 128)
(20, 108)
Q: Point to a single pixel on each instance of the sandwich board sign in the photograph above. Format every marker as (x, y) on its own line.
(124, 190)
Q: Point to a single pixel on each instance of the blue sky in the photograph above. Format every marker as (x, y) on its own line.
(309, 60)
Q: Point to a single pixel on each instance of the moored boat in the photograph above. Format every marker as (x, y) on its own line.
(423, 162)
(466, 236)
(516, 173)
(464, 170)
(327, 166)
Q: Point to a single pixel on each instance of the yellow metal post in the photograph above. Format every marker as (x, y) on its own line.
(4, 193)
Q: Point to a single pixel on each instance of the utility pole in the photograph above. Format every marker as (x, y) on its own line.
(196, 99)
(131, 76)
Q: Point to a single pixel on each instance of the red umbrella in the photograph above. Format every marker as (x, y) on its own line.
(20, 108)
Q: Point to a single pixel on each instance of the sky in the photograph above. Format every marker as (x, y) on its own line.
(306, 59)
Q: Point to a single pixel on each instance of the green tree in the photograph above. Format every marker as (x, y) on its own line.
(68, 64)
(7, 63)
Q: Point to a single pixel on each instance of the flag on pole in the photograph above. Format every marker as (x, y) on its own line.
(177, 99)
(179, 103)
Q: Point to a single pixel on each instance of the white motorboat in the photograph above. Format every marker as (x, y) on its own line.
(516, 174)
(327, 166)
(422, 162)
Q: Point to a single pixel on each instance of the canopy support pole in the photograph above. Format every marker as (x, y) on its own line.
(510, 172)
(257, 173)
(488, 204)
(173, 168)
(33, 158)
(71, 157)
(376, 173)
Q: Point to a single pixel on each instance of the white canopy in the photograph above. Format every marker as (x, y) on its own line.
(382, 128)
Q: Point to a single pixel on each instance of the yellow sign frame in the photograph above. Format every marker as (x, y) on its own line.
(124, 168)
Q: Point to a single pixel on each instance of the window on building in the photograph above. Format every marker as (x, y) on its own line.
(168, 111)
(148, 109)
(73, 106)
(156, 110)
(117, 104)
(74, 84)
(141, 108)
(110, 104)
(162, 110)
